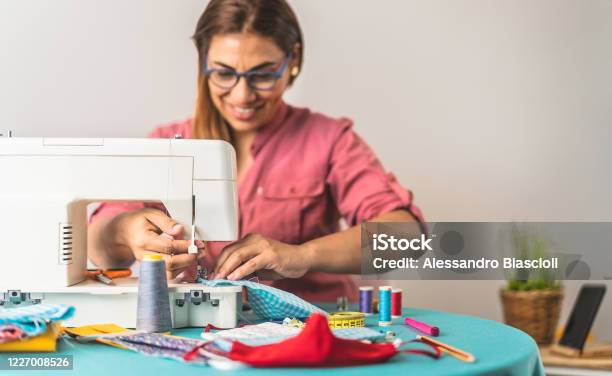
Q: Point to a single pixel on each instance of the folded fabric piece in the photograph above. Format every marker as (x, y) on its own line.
(358, 334)
(9, 332)
(160, 345)
(47, 341)
(97, 332)
(270, 332)
(268, 302)
(255, 335)
(315, 346)
(33, 319)
(154, 344)
(95, 329)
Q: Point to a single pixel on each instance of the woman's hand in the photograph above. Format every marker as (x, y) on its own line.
(150, 230)
(268, 258)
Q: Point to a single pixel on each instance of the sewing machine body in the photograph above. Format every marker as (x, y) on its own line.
(47, 184)
(191, 304)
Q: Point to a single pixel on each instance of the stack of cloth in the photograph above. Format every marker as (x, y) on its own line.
(32, 327)
(268, 303)
(268, 344)
(218, 348)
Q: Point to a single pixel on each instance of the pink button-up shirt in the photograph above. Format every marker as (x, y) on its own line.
(308, 171)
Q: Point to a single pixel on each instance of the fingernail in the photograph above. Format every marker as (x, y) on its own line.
(211, 276)
(231, 277)
(176, 228)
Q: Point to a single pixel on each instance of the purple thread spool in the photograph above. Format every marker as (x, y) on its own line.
(366, 300)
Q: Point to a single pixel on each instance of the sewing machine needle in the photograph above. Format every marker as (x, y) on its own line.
(192, 248)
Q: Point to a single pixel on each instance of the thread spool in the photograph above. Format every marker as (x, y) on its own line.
(396, 303)
(366, 300)
(384, 305)
(342, 303)
(153, 310)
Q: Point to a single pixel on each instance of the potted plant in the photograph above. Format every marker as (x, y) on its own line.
(532, 298)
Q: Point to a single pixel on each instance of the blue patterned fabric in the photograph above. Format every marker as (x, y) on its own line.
(270, 303)
(358, 333)
(160, 345)
(33, 319)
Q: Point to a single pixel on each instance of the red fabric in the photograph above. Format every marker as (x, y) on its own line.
(11, 333)
(315, 346)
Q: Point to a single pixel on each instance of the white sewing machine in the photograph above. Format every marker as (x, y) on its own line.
(45, 188)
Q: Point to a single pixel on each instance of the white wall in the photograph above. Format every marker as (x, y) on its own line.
(96, 68)
(488, 110)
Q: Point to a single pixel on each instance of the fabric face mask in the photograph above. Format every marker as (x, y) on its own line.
(315, 346)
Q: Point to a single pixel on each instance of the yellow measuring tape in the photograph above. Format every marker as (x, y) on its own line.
(337, 320)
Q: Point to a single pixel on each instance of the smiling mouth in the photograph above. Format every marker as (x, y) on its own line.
(243, 112)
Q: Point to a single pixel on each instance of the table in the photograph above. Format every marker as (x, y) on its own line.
(499, 349)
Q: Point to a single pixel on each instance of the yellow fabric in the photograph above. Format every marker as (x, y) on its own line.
(97, 329)
(91, 330)
(45, 342)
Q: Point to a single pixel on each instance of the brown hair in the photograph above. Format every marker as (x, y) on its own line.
(270, 18)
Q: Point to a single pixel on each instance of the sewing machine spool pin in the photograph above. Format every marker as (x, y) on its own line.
(196, 297)
(16, 297)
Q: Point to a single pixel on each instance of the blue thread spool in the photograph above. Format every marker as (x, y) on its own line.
(153, 310)
(366, 300)
(384, 305)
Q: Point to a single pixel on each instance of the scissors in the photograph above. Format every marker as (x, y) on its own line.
(106, 276)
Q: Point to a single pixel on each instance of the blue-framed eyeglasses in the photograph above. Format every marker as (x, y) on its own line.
(227, 78)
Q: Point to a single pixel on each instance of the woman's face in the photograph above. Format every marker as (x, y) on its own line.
(244, 108)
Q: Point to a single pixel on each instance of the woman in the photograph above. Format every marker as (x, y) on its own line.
(299, 172)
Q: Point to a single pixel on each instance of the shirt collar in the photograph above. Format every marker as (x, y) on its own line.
(270, 129)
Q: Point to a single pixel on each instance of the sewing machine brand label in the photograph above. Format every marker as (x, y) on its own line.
(480, 250)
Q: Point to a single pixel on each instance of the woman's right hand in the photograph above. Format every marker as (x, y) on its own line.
(150, 230)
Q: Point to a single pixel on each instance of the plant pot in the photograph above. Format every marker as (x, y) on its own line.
(534, 312)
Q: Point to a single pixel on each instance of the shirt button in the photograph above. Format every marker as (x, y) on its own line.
(260, 190)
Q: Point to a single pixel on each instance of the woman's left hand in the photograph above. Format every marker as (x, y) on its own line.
(268, 258)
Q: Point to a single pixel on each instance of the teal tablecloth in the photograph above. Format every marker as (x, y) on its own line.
(499, 350)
